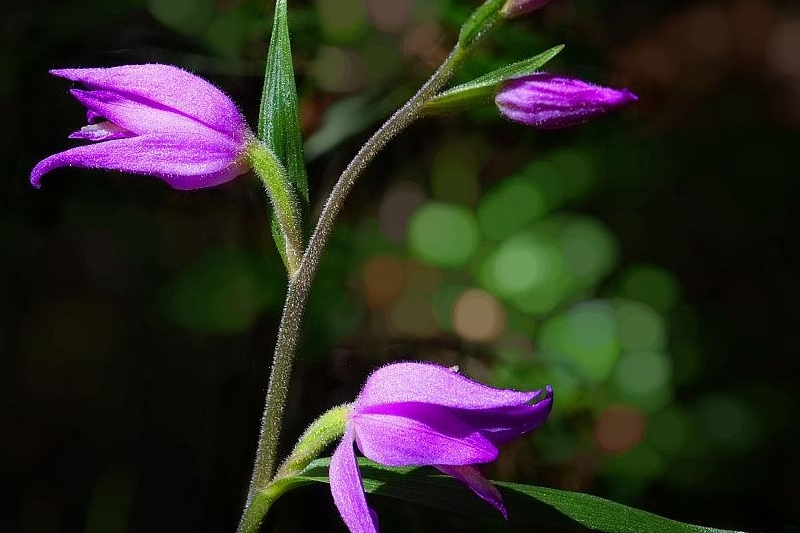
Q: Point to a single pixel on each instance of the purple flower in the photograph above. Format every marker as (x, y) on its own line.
(156, 120)
(515, 8)
(550, 101)
(413, 414)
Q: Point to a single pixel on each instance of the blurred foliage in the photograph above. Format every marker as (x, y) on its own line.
(644, 264)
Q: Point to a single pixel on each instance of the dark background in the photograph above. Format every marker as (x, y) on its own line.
(137, 322)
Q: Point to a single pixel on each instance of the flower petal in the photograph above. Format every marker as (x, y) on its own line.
(472, 478)
(347, 489)
(418, 434)
(169, 87)
(185, 162)
(141, 118)
(504, 424)
(434, 384)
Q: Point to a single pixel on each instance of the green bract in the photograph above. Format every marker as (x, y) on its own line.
(279, 124)
(481, 90)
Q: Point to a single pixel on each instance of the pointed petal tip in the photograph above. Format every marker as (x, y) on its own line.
(36, 174)
(626, 96)
(548, 398)
(67, 73)
(501, 507)
(470, 476)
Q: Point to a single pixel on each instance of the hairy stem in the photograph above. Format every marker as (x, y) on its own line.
(300, 285)
(284, 203)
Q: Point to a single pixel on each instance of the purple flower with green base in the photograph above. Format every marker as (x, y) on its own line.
(414, 414)
(552, 101)
(156, 120)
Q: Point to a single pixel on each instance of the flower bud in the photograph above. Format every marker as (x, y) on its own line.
(551, 101)
(516, 8)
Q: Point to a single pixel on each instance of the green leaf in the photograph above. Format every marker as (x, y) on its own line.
(481, 90)
(551, 510)
(279, 116)
(480, 21)
(518, 69)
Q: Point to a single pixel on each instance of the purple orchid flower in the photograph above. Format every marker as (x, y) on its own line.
(414, 414)
(515, 8)
(551, 101)
(156, 120)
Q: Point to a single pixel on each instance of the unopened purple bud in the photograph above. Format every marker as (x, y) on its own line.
(550, 101)
(515, 8)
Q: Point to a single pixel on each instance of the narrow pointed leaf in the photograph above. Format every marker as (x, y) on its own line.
(481, 90)
(518, 69)
(551, 510)
(480, 21)
(279, 117)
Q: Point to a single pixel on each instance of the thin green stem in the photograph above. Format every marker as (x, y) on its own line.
(300, 285)
(326, 429)
(284, 202)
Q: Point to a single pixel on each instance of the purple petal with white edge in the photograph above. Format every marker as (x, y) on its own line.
(185, 162)
(102, 131)
(550, 101)
(415, 434)
(504, 424)
(434, 384)
(169, 87)
(140, 118)
(347, 489)
(472, 478)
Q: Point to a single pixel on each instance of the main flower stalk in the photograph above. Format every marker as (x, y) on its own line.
(300, 285)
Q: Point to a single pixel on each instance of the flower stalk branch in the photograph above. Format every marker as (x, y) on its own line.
(284, 202)
(326, 429)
